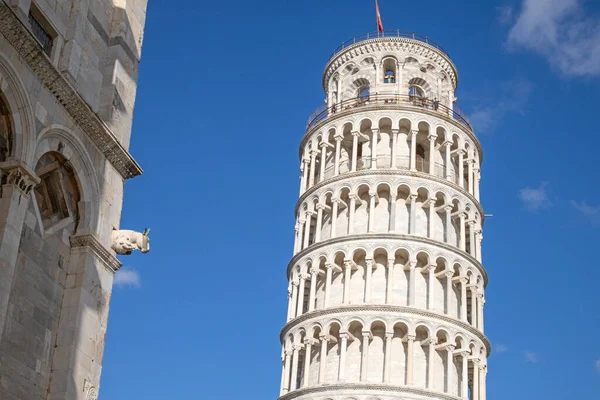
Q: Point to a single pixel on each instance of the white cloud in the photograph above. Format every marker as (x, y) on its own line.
(535, 198)
(597, 365)
(592, 213)
(509, 97)
(505, 14)
(501, 348)
(127, 277)
(562, 32)
(531, 357)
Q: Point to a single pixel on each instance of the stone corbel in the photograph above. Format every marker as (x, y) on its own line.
(18, 174)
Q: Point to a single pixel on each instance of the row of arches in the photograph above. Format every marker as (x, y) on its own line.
(381, 142)
(376, 351)
(394, 277)
(367, 207)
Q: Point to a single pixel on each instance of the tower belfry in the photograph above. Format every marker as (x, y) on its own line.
(386, 285)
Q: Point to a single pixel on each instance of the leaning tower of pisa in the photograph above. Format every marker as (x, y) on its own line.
(386, 285)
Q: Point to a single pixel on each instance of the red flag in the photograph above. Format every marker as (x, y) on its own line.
(379, 23)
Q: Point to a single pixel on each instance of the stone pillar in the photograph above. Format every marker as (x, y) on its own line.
(308, 220)
(338, 150)
(448, 160)
(413, 150)
(296, 238)
(313, 162)
(390, 281)
(409, 360)
(347, 277)
(394, 148)
(78, 357)
(478, 239)
(431, 160)
(286, 371)
(372, 218)
(472, 238)
(307, 351)
(471, 162)
(413, 214)
(374, 140)
(323, 146)
(473, 305)
(365, 356)
(393, 198)
(301, 234)
(411, 283)
(351, 213)
(480, 303)
(448, 210)
(319, 223)
(463, 228)
(294, 298)
(290, 303)
(449, 290)
(301, 288)
(282, 388)
(334, 216)
(449, 367)
(329, 268)
(323, 357)
(461, 168)
(368, 276)
(303, 177)
(388, 357)
(430, 364)
(475, 380)
(295, 362)
(463, 298)
(16, 183)
(432, 212)
(354, 150)
(343, 345)
(464, 379)
(431, 290)
(483, 383)
(476, 182)
(314, 274)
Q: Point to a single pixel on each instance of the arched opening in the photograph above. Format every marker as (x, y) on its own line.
(58, 194)
(390, 71)
(6, 133)
(364, 91)
(421, 158)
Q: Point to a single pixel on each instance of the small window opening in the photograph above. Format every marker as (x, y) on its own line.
(39, 27)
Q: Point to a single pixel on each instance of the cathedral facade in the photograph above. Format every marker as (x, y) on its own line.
(68, 80)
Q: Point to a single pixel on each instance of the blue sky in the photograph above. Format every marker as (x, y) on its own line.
(224, 94)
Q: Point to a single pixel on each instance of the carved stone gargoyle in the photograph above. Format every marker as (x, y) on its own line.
(124, 242)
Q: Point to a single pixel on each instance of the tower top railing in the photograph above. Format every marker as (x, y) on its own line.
(387, 34)
(393, 100)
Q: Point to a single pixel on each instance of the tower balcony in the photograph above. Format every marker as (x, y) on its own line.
(389, 101)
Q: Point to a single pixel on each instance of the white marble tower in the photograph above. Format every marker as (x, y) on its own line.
(386, 286)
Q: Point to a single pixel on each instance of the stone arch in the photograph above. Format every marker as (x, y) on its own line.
(61, 139)
(22, 122)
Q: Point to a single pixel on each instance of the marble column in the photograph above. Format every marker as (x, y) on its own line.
(480, 304)
(463, 298)
(470, 165)
(413, 214)
(464, 379)
(448, 160)
(388, 357)
(304, 178)
(294, 298)
(475, 380)
(301, 222)
(431, 159)
(347, 277)
(308, 221)
(338, 150)
(413, 150)
(474, 289)
(372, 219)
(351, 213)
(16, 183)
(319, 224)
(314, 274)
(323, 357)
(390, 281)
(366, 336)
(334, 217)
(329, 273)
(323, 146)
(313, 162)
(449, 367)
(461, 168)
(449, 289)
(430, 362)
(463, 228)
(432, 213)
(374, 140)
(343, 346)
(394, 148)
(368, 278)
(307, 353)
(448, 210)
(286, 371)
(392, 226)
(410, 359)
(431, 290)
(411, 282)
(472, 238)
(355, 145)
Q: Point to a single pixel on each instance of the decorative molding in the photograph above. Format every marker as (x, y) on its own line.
(376, 238)
(344, 387)
(18, 174)
(392, 172)
(22, 40)
(105, 255)
(396, 310)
